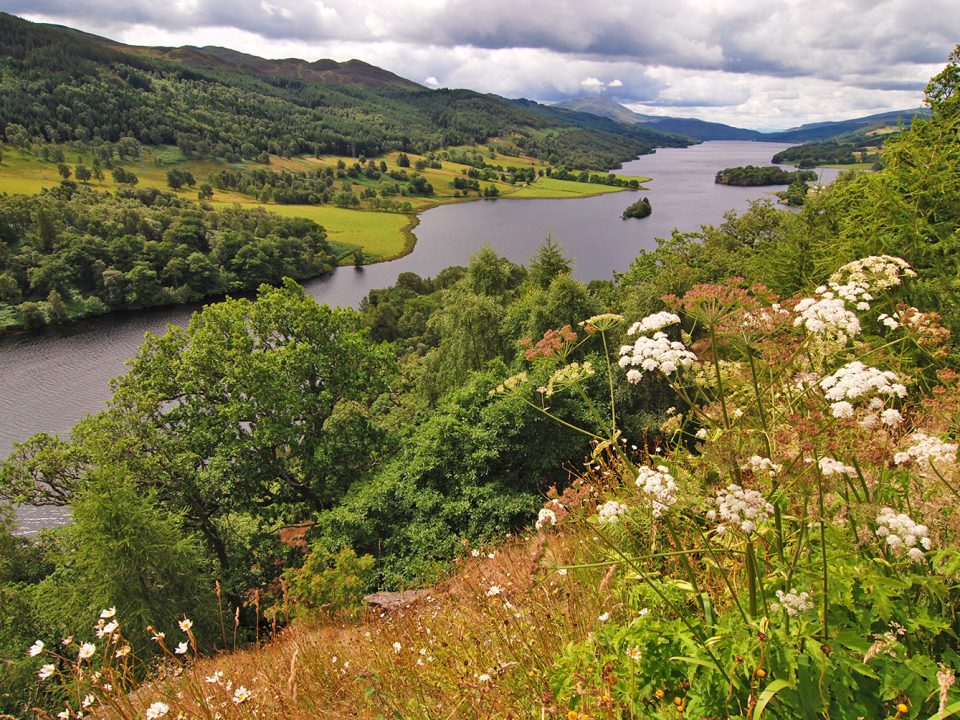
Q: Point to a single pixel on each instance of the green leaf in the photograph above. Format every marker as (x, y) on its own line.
(697, 661)
(767, 695)
(947, 712)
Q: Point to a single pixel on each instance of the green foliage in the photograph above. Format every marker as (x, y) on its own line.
(769, 175)
(96, 251)
(328, 584)
(830, 152)
(640, 209)
(124, 550)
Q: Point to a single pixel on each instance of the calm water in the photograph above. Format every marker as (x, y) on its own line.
(51, 380)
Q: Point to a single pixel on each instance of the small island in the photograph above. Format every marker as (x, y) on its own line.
(640, 209)
(752, 175)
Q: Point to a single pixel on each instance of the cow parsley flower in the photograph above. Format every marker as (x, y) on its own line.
(609, 513)
(545, 518)
(830, 467)
(654, 322)
(828, 318)
(654, 353)
(902, 534)
(740, 508)
(854, 383)
(927, 452)
(792, 603)
(876, 273)
(659, 485)
(760, 465)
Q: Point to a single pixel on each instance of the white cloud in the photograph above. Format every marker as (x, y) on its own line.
(615, 84)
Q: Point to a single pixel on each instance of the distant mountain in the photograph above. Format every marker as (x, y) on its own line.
(859, 126)
(689, 127)
(702, 130)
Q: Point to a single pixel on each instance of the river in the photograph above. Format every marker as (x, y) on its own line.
(53, 378)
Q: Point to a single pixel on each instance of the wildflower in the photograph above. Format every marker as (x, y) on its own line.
(876, 272)
(659, 485)
(758, 465)
(654, 353)
(181, 648)
(889, 321)
(891, 417)
(657, 321)
(945, 680)
(855, 382)
(123, 651)
(562, 572)
(67, 640)
(792, 603)
(604, 617)
(902, 534)
(157, 710)
(46, 671)
(829, 467)
(742, 508)
(86, 650)
(88, 700)
(569, 375)
(35, 649)
(158, 636)
(108, 613)
(483, 677)
(926, 451)
(64, 714)
(511, 383)
(609, 513)
(107, 629)
(494, 591)
(634, 654)
(186, 624)
(397, 647)
(214, 679)
(701, 434)
(602, 322)
(828, 318)
(241, 695)
(546, 518)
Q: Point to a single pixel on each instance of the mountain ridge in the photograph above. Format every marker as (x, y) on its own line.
(705, 130)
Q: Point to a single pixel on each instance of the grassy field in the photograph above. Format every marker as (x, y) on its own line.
(380, 235)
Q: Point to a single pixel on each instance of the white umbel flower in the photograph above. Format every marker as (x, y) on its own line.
(658, 484)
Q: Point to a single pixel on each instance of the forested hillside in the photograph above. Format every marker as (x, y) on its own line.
(61, 86)
(730, 474)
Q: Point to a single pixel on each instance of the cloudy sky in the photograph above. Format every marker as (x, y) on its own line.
(765, 64)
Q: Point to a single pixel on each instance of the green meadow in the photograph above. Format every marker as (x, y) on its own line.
(379, 235)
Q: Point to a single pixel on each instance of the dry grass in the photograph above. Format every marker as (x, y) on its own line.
(477, 646)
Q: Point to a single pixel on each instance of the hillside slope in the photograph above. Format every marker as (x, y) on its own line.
(61, 85)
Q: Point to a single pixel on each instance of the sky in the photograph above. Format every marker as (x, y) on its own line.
(762, 64)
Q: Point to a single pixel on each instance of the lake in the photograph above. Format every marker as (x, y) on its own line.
(53, 378)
